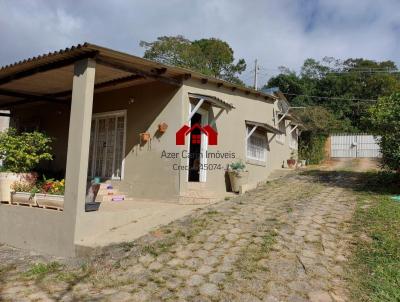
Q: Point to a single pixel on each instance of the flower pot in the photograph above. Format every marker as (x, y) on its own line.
(92, 206)
(144, 137)
(24, 198)
(50, 200)
(7, 179)
(162, 127)
(303, 162)
(237, 179)
(291, 163)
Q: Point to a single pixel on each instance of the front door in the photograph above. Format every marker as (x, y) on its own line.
(197, 148)
(107, 144)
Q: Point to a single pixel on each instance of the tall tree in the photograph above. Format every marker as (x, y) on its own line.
(212, 57)
(345, 88)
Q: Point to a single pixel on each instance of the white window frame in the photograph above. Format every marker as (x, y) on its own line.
(280, 138)
(259, 136)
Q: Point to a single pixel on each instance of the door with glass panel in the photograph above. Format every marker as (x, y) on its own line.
(107, 144)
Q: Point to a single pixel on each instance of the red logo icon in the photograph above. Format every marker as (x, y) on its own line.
(196, 138)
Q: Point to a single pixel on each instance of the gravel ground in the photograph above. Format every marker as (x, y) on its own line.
(287, 240)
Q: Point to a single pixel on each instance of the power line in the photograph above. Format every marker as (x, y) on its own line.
(331, 98)
(364, 71)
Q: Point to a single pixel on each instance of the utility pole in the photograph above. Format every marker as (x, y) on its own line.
(255, 75)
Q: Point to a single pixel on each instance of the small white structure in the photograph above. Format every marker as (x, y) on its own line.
(355, 145)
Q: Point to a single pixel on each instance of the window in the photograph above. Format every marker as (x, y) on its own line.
(282, 127)
(293, 138)
(256, 146)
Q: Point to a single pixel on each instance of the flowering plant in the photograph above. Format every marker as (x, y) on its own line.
(51, 186)
(27, 183)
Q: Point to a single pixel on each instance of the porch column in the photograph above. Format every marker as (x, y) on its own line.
(79, 138)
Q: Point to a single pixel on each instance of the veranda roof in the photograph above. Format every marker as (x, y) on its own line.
(48, 77)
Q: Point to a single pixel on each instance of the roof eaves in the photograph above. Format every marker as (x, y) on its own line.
(46, 55)
(104, 50)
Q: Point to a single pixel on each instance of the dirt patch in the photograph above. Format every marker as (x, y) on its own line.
(351, 164)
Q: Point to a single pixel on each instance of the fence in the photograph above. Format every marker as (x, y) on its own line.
(354, 145)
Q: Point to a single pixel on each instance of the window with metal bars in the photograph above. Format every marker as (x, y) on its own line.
(256, 147)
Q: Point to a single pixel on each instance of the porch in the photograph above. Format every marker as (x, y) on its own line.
(89, 99)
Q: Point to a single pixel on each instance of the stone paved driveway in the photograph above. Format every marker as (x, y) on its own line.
(285, 241)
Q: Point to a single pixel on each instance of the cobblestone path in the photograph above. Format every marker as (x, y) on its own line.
(287, 240)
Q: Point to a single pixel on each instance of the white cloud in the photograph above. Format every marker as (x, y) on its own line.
(277, 32)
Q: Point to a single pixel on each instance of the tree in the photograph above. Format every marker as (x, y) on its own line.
(212, 57)
(318, 119)
(21, 152)
(345, 88)
(319, 123)
(385, 122)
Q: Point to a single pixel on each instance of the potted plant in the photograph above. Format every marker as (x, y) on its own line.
(144, 137)
(238, 175)
(20, 153)
(51, 194)
(162, 127)
(292, 161)
(23, 192)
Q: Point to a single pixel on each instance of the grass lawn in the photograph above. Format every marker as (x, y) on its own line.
(376, 259)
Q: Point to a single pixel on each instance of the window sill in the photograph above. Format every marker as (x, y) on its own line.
(256, 162)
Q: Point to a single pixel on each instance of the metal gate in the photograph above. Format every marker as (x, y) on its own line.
(107, 145)
(354, 145)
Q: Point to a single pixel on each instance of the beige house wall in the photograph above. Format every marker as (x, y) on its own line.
(148, 175)
(231, 128)
(145, 173)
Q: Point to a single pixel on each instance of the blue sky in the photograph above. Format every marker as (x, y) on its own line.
(276, 32)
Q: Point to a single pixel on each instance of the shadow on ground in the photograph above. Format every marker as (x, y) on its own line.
(380, 182)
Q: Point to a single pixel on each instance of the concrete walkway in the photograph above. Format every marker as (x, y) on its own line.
(134, 219)
(285, 241)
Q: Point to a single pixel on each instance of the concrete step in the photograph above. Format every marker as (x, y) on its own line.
(113, 198)
(187, 200)
(105, 186)
(198, 194)
(107, 192)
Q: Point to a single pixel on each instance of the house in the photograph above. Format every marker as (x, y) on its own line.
(115, 118)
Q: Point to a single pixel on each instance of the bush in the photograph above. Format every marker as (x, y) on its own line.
(319, 123)
(22, 152)
(385, 121)
(312, 147)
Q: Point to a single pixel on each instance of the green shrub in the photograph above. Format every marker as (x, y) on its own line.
(22, 152)
(312, 147)
(237, 166)
(385, 121)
